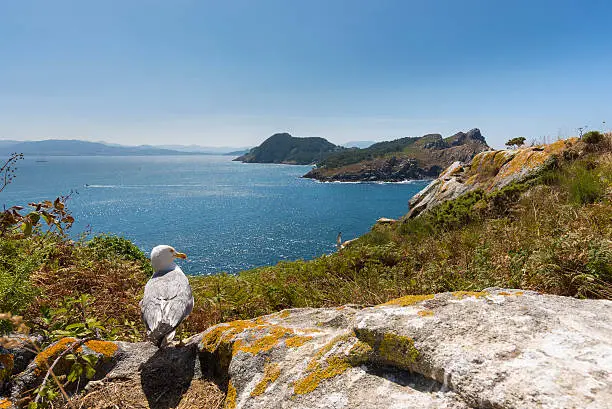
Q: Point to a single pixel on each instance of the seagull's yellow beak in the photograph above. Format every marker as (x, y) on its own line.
(180, 255)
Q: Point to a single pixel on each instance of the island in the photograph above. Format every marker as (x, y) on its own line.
(402, 159)
(290, 150)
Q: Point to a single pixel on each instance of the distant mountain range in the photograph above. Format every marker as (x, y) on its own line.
(58, 147)
(287, 149)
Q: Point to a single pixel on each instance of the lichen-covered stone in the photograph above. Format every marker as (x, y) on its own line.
(497, 348)
(487, 171)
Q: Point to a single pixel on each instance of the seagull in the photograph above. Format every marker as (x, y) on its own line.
(167, 297)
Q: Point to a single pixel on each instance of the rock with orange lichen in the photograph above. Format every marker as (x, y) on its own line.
(498, 348)
(33, 374)
(487, 171)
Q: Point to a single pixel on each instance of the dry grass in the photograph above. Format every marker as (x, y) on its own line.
(202, 394)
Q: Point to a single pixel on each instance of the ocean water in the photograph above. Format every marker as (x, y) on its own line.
(227, 216)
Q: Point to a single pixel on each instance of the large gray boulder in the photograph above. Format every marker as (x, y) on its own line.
(492, 349)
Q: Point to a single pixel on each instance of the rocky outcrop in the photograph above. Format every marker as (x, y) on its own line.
(495, 349)
(284, 148)
(488, 171)
(403, 159)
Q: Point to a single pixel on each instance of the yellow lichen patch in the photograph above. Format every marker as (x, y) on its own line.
(230, 398)
(224, 332)
(507, 294)
(390, 348)
(6, 365)
(54, 350)
(334, 367)
(463, 294)
(283, 314)
(271, 374)
(326, 348)
(425, 313)
(398, 349)
(264, 343)
(5, 403)
(359, 353)
(297, 341)
(105, 348)
(409, 300)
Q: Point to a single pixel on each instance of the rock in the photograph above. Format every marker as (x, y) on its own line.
(488, 171)
(34, 373)
(385, 220)
(497, 348)
(22, 348)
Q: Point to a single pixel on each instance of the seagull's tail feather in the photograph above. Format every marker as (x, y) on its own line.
(158, 334)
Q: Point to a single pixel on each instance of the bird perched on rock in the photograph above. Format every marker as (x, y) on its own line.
(167, 297)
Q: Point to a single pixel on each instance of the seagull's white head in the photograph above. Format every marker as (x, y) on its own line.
(162, 258)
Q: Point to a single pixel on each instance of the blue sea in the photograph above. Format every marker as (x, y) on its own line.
(227, 216)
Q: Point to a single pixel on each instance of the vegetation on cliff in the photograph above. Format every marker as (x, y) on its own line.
(284, 148)
(406, 158)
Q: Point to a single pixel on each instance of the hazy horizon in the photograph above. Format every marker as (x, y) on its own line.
(232, 74)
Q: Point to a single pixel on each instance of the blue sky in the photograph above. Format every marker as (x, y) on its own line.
(233, 72)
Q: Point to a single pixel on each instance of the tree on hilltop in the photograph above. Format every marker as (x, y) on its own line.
(516, 142)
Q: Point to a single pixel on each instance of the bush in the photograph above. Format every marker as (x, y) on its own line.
(110, 246)
(583, 183)
(593, 137)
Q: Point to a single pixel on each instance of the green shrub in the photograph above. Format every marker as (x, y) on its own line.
(593, 137)
(584, 185)
(109, 246)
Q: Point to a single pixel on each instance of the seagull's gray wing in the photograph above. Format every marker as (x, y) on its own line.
(167, 301)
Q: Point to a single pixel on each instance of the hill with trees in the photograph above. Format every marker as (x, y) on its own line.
(401, 159)
(287, 149)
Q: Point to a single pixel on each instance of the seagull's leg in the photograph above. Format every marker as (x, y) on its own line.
(169, 337)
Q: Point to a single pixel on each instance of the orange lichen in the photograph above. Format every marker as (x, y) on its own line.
(224, 332)
(297, 341)
(54, 350)
(331, 366)
(264, 343)
(464, 294)
(5, 403)
(6, 365)
(271, 374)
(334, 367)
(507, 294)
(425, 313)
(282, 314)
(105, 348)
(326, 348)
(409, 300)
(230, 398)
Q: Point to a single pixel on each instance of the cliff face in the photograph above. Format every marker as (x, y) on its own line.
(487, 171)
(401, 159)
(284, 148)
(496, 348)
